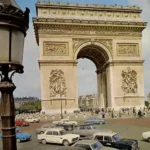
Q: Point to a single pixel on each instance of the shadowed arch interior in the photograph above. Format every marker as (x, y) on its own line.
(96, 54)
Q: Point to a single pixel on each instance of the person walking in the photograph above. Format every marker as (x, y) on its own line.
(139, 113)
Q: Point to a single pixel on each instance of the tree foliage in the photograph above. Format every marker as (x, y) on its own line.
(31, 107)
(146, 103)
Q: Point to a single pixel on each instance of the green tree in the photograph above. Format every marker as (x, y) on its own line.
(31, 106)
(146, 103)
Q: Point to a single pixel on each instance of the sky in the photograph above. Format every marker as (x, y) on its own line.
(28, 84)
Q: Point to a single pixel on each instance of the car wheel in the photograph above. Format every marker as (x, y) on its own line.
(18, 140)
(148, 139)
(44, 141)
(65, 143)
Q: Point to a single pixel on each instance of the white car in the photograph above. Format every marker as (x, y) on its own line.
(59, 136)
(65, 121)
(32, 120)
(146, 136)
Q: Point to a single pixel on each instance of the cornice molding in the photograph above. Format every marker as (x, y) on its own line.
(57, 63)
(92, 30)
(88, 6)
(120, 63)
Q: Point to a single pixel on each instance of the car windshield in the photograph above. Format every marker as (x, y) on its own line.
(62, 132)
(18, 131)
(96, 146)
(116, 137)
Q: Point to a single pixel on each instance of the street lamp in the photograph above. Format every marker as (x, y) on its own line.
(13, 26)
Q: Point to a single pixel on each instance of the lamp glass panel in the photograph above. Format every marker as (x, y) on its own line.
(17, 46)
(4, 45)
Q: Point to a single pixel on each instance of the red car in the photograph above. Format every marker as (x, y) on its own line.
(21, 123)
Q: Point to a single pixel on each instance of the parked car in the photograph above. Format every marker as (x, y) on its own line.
(87, 130)
(112, 139)
(57, 135)
(146, 136)
(65, 121)
(91, 145)
(32, 120)
(94, 120)
(76, 111)
(21, 136)
(21, 123)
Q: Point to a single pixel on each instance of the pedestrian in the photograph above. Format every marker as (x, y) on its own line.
(140, 113)
(134, 111)
(103, 114)
(112, 113)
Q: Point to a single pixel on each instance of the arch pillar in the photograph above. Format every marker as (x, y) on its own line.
(105, 87)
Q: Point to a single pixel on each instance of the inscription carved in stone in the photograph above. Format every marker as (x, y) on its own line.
(57, 84)
(55, 48)
(127, 50)
(129, 81)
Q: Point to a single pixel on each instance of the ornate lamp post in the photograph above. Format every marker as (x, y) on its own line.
(13, 26)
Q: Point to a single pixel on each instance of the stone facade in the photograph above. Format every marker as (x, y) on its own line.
(110, 36)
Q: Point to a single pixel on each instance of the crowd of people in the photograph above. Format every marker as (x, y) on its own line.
(122, 112)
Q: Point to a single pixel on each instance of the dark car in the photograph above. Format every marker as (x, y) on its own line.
(112, 139)
(67, 127)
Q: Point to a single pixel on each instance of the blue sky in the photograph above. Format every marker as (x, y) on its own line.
(28, 84)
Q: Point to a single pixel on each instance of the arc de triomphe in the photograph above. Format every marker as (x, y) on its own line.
(110, 36)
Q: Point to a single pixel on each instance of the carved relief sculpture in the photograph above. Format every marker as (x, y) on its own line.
(127, 49)
(55, 48)
(129, 81)
(57, 84)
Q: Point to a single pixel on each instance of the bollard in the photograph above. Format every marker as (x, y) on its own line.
(68, 117)
(84, 116)
(53, 117)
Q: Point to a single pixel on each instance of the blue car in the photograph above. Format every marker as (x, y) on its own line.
(21, 136)
(93, 120)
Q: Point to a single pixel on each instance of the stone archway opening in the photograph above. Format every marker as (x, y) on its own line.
(100, 58)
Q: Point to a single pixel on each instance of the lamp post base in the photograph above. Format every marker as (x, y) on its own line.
(8, 115)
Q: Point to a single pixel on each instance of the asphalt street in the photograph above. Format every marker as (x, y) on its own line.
(125, 130)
